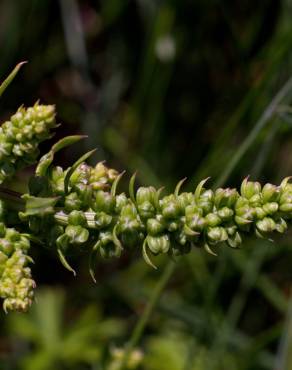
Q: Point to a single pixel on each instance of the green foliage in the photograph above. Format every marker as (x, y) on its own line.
(56, 342)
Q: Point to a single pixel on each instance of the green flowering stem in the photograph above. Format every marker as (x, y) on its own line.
(143, 320)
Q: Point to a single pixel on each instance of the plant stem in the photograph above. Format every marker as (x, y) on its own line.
(12, 198)
(140, 326)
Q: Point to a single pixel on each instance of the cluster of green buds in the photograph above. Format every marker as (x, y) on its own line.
(16, 284)
(80, 209)
(21, 136)
(78, 215)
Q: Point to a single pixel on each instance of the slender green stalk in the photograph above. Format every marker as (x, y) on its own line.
(141, 324)
(264, 119)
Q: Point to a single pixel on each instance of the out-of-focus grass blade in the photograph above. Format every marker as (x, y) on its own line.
(10, 78)
(266, 116)
(284, 356)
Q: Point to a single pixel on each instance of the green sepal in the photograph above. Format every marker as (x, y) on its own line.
(199, 189)
(10, 78)
(132, 188)
(116, 182)
(92, 261)
(209, 250)
(62, 243)
(178, 186)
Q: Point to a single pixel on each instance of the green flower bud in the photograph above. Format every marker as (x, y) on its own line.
(193, 210)
(235, 240)
(270, 208)
(158, 244)
(81, 175)
(57, 180)
(259, 213)
(231, 230)
(76, 218)
(255, 200)
(102, 220)
(212, 219)
(85, 193)
(181, 238)
(102, 177)
(121, 201)
(266, 225)
(145, 195)
(249, 188)
(241, 202)
(77, 234)
(170, 207)
(225, 213)
(217, 234)
(225, 198)
(196, 222)
(270, 193)
(242, 221)
(72, 202)
(145, 199)
(154, 227)
(286, 198)
(104, 202)
(206, 201)
(245, 212)
(286, 207)
(173, 225)
(129, 220)
(107, 247)
(186, 199)
(281, 226)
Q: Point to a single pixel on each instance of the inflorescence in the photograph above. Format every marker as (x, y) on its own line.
(80, 208)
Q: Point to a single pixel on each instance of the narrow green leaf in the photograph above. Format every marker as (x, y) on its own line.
(115, 183)
(10, 78)
(199, 189)
(132, 187)
(65, 262)
(178, 186)
(47, 159)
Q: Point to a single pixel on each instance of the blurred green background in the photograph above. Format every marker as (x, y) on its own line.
(172, 89)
